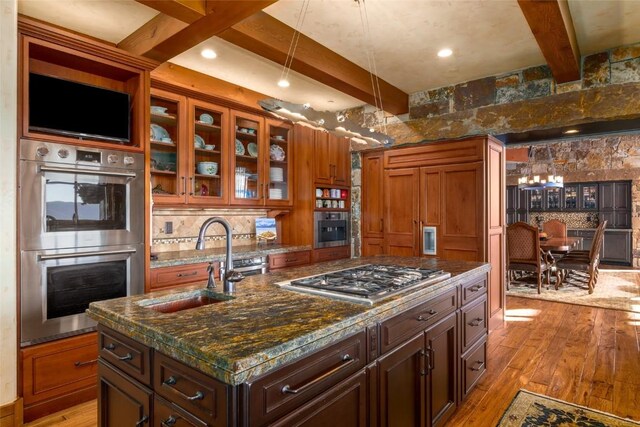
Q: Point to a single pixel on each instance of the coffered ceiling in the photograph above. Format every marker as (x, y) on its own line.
(487, 37)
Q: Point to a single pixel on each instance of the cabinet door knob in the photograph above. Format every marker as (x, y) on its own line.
(143, 420)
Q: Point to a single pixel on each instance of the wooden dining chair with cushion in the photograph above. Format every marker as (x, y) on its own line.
(554, 228)
(524, 254)
(583, 270)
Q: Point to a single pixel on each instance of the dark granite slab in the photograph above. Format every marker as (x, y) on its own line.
(173, 258)
(264, 326)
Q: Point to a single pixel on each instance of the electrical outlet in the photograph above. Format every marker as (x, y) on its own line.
(168, 227)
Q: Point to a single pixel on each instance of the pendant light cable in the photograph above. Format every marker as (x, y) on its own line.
(284, 76)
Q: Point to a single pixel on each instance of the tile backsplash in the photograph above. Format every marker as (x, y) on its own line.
(572, 219)
(186, 225)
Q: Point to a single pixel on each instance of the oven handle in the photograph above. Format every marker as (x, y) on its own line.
(86, 254)
(87, 171)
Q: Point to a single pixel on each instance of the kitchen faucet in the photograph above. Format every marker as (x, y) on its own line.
(228, 276)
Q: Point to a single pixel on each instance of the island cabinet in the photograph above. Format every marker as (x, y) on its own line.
(411, 368)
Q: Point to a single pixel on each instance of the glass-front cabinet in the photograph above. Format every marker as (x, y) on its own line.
(570, 201)
(589, 199)
(247, 160)
(167, 134)
(535, 200)
(278, 162)
(552, 198)
(208, 141)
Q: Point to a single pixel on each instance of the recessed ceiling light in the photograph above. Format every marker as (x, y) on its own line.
(283, 83)
(443, 53)
(372, 130)
(208, 53)
(570, 131)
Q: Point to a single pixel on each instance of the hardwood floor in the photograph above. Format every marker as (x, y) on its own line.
(586, 355)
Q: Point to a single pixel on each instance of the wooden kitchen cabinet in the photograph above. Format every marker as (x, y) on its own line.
(183, 170)
(290, 259)
(121, 401)
(614, 204)
(401, 212)
(181, 275)
(332, 160)
(372, 205)
(331, 253)
(58, 374)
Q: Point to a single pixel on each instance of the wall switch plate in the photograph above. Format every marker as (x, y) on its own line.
(168, 227)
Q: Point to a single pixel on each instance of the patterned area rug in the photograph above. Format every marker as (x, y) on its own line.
(529, 409)
(616, 289)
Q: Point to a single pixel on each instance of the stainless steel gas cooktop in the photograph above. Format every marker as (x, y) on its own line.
(366, 284)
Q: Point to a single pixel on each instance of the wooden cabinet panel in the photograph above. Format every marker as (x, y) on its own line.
(58, 374)
(437, 153)
(473, 366)
(372, 246)
(616, 247)
(442, 389)
(198, 394)
(181, 275)
(397, 329)
(330, 254)
(372, 206)
(166, 414)
(622, 195)
(430, 194)
(290, 259)
(341, 160)
(401, 192)
(283, 390)
(345, 405)
(473, 289)
(322, 158)
(473, 322)
(121, 402)
(131, 357)
(401, 385)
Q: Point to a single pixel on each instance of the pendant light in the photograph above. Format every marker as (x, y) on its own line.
(531, 181)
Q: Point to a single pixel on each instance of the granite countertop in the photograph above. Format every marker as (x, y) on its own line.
(173, 258)
(263, 326)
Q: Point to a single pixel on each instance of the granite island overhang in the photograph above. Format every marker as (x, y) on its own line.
(264, 326)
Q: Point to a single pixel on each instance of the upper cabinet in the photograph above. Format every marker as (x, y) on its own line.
(279, 169)
(247, 160)
(78, 91)
(332, 160)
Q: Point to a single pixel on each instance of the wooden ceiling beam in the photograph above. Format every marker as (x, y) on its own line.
(552, 26)
(266, 36)
(163, 37)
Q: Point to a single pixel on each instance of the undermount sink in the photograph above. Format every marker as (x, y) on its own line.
(185, 301)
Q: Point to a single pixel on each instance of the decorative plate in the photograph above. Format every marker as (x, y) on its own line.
(239, 148)
(206, 118)
(276, 153)
(198, 142)
(158, 132)
(252, 148)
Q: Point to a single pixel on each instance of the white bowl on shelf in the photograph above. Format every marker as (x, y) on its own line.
(207, 168)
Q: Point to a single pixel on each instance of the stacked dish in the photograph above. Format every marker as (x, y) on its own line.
(207, 168)
(275, 193)
(276, 175)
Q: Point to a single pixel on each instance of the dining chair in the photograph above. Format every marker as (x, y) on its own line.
(583, 269)
(555, 228)
(524, 253)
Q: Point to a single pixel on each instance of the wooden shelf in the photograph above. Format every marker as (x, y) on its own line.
(207, 127)
(163, 118)
(281, 162)
(330, 198)
(246, 158)
(278, 140)
(203, 151)
(205, 176)
(159, 172)
(332, 209)
(163, 144)
(252, 135)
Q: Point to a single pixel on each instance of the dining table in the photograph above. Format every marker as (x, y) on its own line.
(560, 244)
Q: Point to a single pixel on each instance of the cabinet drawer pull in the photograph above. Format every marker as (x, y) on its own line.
(111, 347)
(475, 288)
(346, 361)
(431, 313)
(480, 364)
(143, 420)
(127, 356)
(88, 362)
(172, 381)
(475, 322)
(193, 273)
(184, 186)
(168, 422)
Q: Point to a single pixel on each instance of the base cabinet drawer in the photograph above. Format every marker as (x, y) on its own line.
(129, 356)
(191, 390)
(58, 374)
(345, 405)
(166, 414)
(473, 366)
(290, 259)
(330, 254)
(473, 322)
(170, 277)
(282, 391)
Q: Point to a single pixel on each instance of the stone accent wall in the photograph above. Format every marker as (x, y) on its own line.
(572, 219)
(611, 158)
(187, 222)
(356, 192)
(518, 101)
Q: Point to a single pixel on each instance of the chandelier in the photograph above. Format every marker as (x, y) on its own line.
(531, 181)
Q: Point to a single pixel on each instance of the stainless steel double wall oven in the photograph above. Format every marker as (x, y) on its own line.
(81, 234)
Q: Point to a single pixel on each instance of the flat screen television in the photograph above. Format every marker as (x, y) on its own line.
(79, 110)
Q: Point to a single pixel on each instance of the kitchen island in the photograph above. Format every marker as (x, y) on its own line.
(265, 354)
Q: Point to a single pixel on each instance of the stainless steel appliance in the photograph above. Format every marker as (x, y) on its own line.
(367, 284)
(81, 234)
(249, 266)
(331, 229)
(76, 196)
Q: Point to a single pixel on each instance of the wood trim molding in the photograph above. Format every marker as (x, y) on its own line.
(11, 414)
(59, 36)
(552, 26)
